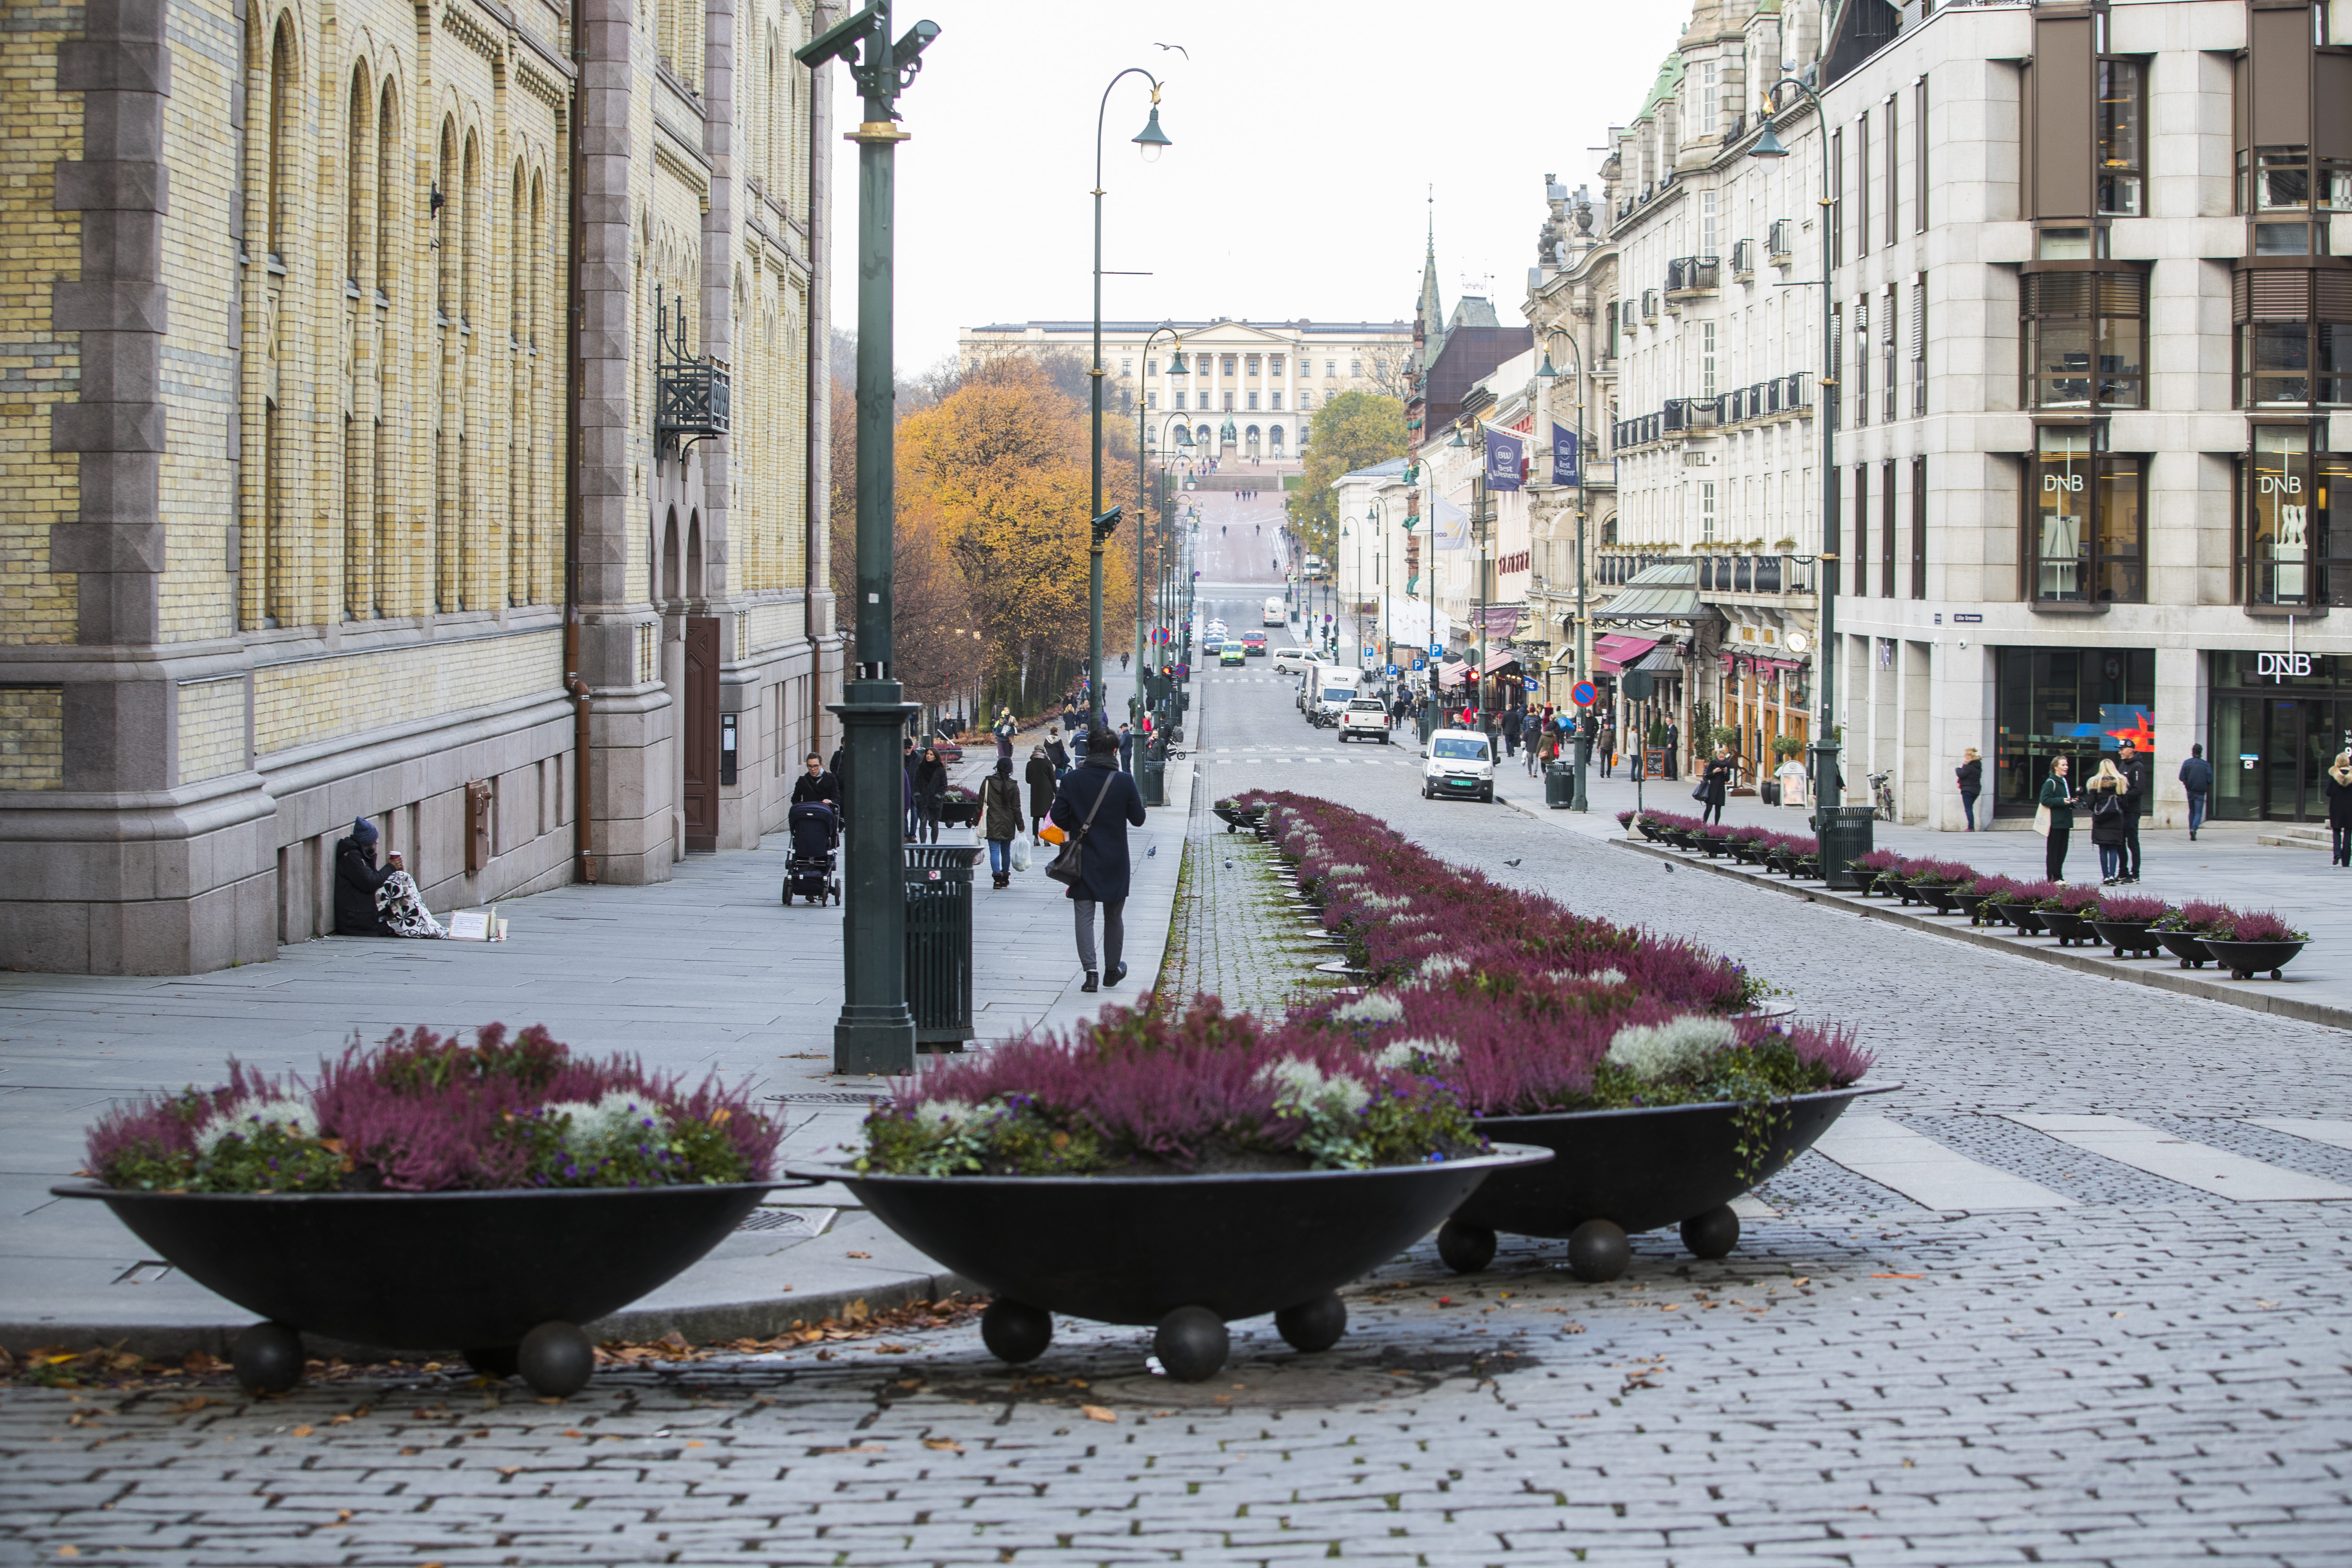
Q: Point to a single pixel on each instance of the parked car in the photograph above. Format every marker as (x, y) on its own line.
(1461, 764)
(1364, 717)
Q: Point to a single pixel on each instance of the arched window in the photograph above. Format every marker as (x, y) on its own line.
(1273, 437)
(284, 110)
(469, 238)
(387, 189)
(358, 165)
(444, 226)
(671, 579)
(694, 555)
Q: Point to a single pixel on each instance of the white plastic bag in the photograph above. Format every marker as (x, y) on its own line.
(1021, 852)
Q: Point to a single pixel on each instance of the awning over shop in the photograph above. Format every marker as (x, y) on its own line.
(1658, 661)
(1666, 592)
(1613, 650)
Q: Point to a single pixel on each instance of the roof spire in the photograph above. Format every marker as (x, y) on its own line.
(1430, 311)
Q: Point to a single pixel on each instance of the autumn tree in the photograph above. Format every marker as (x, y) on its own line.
(1353, 430)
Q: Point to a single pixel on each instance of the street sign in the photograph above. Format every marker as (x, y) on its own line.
(1419, 662)
(1638, 685)
(1436, 648)
(1531, 683)
(1584, 694)
(1394, 671)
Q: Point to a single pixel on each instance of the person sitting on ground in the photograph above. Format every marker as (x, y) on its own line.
(358, 878)
(399, 908)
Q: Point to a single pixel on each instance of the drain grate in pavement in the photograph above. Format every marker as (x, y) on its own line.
(830, 1097)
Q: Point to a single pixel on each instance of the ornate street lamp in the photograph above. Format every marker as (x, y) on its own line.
(1584, 657)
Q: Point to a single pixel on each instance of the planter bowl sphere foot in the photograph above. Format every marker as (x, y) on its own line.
(268, 1358)
(556, 1359)
(1598, 1251)
(497, 1363)
(1314, 1325)
(1465, 1249)
(1712, 1234)
(1015, 1331)
(1191, 1343)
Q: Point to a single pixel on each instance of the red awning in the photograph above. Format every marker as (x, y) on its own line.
(1614, 650)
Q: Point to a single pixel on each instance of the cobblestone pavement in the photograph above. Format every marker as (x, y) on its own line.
(2153, 1374)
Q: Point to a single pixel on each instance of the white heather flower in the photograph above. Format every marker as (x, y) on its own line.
(250, 1118)
(1402, 1054)
(600, 1129)
(1439, 966)
(1372, 1007)
(941, 1117)
(1344, 871)
(1301, 1084)
(1656, 1051)
(1410, 920)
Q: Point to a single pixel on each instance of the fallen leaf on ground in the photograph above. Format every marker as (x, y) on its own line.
(510, 1469)
(1097, 1413)
(854, 1448)
(944, 1444)
(861, 1255)
(304, 1431)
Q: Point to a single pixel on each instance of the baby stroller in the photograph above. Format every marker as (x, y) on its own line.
(810, 870)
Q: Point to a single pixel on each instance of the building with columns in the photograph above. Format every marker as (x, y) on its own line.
(2090, 382)
(1249, 389)
(410, 418)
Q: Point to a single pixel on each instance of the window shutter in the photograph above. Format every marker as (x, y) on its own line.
(2122, 293)
(2277, 295)
(2332, 296)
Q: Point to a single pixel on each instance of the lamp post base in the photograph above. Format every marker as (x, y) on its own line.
(876, 1030)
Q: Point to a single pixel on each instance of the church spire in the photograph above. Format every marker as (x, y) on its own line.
(1431, 314)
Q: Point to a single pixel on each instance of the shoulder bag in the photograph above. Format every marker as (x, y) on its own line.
(1065, 868)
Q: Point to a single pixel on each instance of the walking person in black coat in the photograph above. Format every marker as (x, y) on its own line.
(1715, 784)
(931, 793)
(1041, 776)
(2197, 778)
(2137, 778)
(2338, 787)
(1111, 796)
(1971, 781)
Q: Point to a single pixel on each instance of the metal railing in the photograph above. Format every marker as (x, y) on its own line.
(1692, 274)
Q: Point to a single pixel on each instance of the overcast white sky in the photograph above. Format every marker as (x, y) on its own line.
(1305, 131)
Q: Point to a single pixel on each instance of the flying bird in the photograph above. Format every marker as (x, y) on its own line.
(1178, 48)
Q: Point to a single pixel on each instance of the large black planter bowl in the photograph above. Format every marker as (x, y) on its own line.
(2186, 946)
(1942, 899)
(2070, 929)
(2127, 936)
(1619, 1171)
(506, 1276)
(1188, 1254)
(2244, 960)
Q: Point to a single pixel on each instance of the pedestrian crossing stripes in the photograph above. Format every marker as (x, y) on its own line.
(1904, 1161)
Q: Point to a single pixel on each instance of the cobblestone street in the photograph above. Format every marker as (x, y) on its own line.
(2009, 1313)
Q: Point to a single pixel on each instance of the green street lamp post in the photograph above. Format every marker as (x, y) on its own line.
(1151, 140)
(1826, 793)
(1583, 655)
(876, 1032)
(1176, 367)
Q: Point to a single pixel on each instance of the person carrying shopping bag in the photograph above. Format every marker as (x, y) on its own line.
(2054, 819)
(1096, 805)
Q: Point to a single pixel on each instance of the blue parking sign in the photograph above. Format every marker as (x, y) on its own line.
(1533, 684)
(1419, 662)
(1436, 648)
(1393, 670)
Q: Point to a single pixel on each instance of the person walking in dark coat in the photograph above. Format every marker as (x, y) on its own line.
(2058, 799)
(357, 876)
(1004, 729)
(1715, 784)
(2337, 786)
(1126, 749)
(1100, 788)
(2105, 790)
(930, 794)
(2197, 778)
(816, 786)
(1042, 776)
(2137, 778)
(1674, 751)
(1000, 819)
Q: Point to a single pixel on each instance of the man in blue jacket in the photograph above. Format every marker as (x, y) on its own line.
(2197, 778)
(1098, 789)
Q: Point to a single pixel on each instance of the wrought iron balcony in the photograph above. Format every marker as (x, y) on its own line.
(692, 397)
(1692, 275)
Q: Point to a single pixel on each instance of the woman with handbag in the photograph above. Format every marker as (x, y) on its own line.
(931, 793)
(1095, 805)
(1000, 819)
(1715, 784)
(1042, 776)
(2055, 819)
(2105, 790)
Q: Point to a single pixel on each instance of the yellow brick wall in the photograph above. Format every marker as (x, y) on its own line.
(39, 367)
(32, 737)
(212, 728)
(321, 698)
(771, 625)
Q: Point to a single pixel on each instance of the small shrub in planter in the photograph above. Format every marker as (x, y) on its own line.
(1982, 896)
(2067, 913)
(2251, 942)
(1877, 863)
(2182, 931)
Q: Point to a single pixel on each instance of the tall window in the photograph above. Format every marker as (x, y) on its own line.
(1919, 528)
(1862, 185)
(1862, 360)
(1836, 215)
(1836, 365)
(1276, 404)
(2283, 510)
(1887, 529)
(1355, 367)
(285, 125)
(1707, 512)
(1706, 100)
(1919, 347)
(1150, 400)
(1180, 398)
(1707, 221)
(1886, 344)
(1226, 362)
(389, 183)
(2122, 141)
(1706, 360)
(2086, 512)
(1919, 156)
(1274, 365)
(2294, 336)
(2085, 339)
(1862, 530)
(359, 163)
(1894, 175)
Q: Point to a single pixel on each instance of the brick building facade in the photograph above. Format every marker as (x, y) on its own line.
(406, 415)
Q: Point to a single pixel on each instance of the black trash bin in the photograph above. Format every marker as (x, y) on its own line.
(939, 943)
(1152, 777)
(1848, 840)
(1560, 786)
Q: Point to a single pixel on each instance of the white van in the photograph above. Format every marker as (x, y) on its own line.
(1276, 614)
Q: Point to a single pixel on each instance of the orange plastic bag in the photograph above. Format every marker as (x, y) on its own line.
(1053, 834)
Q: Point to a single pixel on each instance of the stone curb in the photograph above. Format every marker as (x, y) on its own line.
(2188, 983)
(702, 1322)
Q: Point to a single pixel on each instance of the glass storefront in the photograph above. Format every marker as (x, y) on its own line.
(2062, 701)
(2278, 720)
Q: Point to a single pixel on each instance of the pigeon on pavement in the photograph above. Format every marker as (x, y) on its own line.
(1510, 862)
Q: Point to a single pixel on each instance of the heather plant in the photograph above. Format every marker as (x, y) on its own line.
(1938, 873)
(1154, 1092)
(2128, 908)
(2196, 915)
(427, 1112)
(2073, 897)
(2258, 926)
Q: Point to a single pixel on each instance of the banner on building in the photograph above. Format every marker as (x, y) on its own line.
(1452, 525)
(1563, 456)
(1506, 457)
